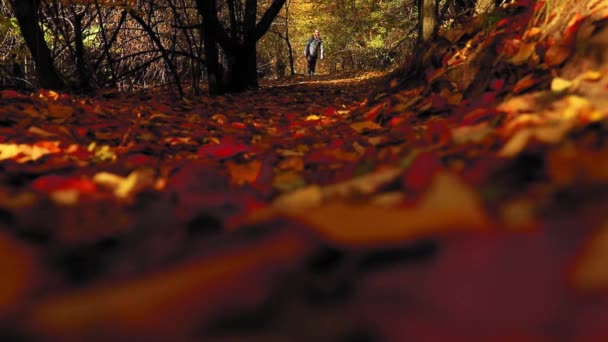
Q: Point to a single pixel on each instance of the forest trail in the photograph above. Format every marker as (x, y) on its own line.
(460, 198)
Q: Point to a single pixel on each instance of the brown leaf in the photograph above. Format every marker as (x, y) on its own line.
(363, 126)
(524, 83)
(556, 55)
(524, 54)
(244, 172)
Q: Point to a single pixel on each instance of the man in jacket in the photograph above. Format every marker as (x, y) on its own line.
(313, 50)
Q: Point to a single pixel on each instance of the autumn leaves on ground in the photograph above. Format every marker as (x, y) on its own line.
(462, 197)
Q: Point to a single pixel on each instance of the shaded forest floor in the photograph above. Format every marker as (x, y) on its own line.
(460, 198)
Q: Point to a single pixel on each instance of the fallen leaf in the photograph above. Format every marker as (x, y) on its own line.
(60, 111)
(449, 205)
(559, 85)
(556, 55)
(524, 83)
(524, 54)
(244, 172)
(308, 197)
(136, 181)
(363, 126)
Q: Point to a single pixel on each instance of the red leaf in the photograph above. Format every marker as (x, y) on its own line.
(373, 112)
(438, 132)
(476, 115)
(226, 149)
(140, 159)
(52, 183)
(238, 125)
(439, 102)
(497, 84)
(419, 176)
(10, 94)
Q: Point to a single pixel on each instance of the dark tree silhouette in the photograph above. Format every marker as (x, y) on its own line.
(26, 12)
(238, 42)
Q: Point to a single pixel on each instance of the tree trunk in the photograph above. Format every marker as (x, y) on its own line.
(289, 47)
(241, 70)
(85, 79)
(207, 9)
(427, 19)
(240, 51)
(26, 12)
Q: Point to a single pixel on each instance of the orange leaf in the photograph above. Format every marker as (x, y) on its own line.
(449, 205)
(244, 173)
(556, 55)
(524, 83)
(60, 111)
(373, 112)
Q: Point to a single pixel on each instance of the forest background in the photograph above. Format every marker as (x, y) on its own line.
(134, 44)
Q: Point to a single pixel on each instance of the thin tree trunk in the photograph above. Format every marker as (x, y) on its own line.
(427, 19)
(207, 9)
(161, 48)
(26, 12)
(81, 64)
(289, 47)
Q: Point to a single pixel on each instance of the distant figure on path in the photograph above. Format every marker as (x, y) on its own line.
(313, 50)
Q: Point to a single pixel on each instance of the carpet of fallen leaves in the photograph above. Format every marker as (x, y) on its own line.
(462, 197)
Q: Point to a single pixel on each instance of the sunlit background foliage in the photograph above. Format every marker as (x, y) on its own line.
(137, 44)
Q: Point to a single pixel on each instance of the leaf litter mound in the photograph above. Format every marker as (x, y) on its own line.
(464, 199)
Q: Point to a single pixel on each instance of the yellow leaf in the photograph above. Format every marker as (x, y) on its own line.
(524, 54)
(473, 133)
(575, 106)
(108, 180)
(27, 152)
(308, 197)
(532, 32)
(519, 104)
(559, 85)
(65, 197)
(135, 182)
(312, 117)
(592, 76)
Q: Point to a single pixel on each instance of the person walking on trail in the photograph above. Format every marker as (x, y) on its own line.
(313, 50)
